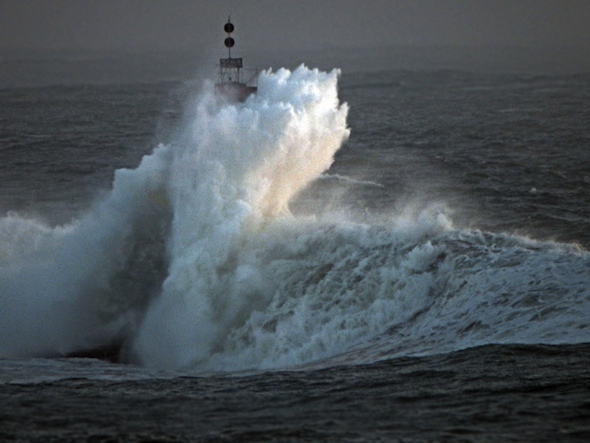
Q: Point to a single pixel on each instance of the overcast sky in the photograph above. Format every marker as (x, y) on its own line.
(291, 25)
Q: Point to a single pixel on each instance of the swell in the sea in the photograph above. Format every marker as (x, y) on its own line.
(194, 260)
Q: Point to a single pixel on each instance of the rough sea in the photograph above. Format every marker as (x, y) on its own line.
(387, 254)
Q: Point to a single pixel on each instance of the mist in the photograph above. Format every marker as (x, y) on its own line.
(264, 25)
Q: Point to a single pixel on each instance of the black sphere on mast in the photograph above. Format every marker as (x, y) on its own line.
(229, 42)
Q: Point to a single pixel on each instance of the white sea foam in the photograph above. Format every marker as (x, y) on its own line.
(193, 259)
(235, 170)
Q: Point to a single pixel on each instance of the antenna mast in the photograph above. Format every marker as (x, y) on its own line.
(230, 67)
(230, 84)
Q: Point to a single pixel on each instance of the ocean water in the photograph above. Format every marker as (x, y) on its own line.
(374, 255)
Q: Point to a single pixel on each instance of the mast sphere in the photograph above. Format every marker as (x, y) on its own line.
(229, 27)
(229, 42)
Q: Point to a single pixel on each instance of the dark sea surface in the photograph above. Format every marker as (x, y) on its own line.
(432, 285)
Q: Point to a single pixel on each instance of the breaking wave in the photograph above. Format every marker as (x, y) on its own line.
(193, 259)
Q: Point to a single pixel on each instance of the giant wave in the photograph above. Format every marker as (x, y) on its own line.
(193, 259)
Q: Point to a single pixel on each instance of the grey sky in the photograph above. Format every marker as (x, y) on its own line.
(295, 24)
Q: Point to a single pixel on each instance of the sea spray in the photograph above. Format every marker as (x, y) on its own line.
(76, 286)
(235, 169)
(181, 214)
(192, 260)
(251, 287)
(170, 229)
